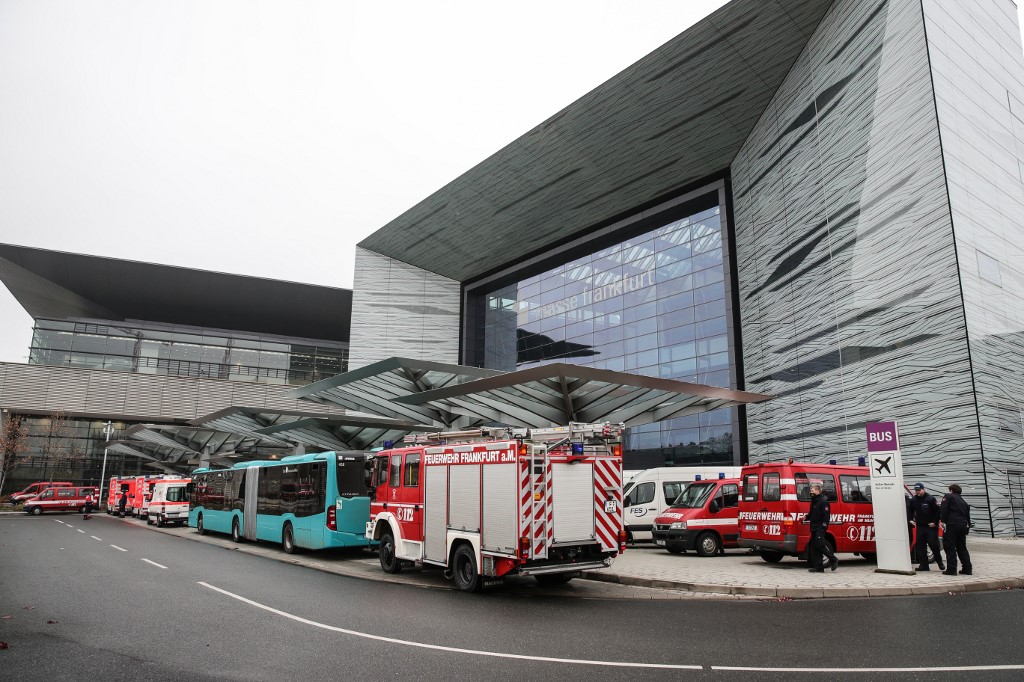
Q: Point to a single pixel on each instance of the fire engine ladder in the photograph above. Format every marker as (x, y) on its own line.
(541, 516)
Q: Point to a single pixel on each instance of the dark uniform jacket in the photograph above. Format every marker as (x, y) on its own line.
(955, 511)
(924, 510)
(819, 514)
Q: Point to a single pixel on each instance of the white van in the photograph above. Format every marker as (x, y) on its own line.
(650, 492)
(169, 503)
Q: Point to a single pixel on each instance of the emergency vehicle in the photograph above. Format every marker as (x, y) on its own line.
(118, 486)
(491, 502)
(168, 502)
(704, 517)
(776, 497)
(138, 500)
(34, 489)
(64, 499)
(651, 491)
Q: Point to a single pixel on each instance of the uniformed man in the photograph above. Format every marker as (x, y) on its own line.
(818, 517)
(924, 512)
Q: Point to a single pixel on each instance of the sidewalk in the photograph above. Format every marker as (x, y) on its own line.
(998, 564)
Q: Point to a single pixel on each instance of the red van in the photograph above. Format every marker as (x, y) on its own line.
(65, 499)
(775, 498)
(704, 517)
(35, 488)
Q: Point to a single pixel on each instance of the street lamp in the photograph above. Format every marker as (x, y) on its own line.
(103, 471)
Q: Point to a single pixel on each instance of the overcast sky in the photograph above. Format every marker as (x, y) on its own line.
(268, 138)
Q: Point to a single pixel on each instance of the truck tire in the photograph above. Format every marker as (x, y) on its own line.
(467, 577)
(236, 534)
(199, 524)
(159, 522)
(556, 579)
(772, 557)
(708, 544)
(675, 547)
(287, 538)
(149, 520)
(389, 561)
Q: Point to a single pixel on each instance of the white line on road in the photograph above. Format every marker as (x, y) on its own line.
(95, 538)
(119, 548)
(436, 647)
(69, 525)
(81, 531)
(154, 563)
(58, 521)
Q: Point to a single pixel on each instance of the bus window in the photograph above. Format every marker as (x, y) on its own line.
(412, 470)
(351, 481)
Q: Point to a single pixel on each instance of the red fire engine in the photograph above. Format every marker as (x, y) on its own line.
(492, 502)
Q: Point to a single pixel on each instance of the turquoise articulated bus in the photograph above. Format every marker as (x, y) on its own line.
(301, 501)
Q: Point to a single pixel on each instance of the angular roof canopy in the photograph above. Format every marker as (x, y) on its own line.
(57, 285)
(557, 394)
(373, 388)
(678, 116)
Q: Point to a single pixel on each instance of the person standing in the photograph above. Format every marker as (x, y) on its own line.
(925, 515)
(122, 503)
(955, 515)
(817, 546)
(88, 507)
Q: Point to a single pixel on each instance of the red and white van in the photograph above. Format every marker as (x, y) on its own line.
(704, 517)
(168, 502)
(34, 489)
(774, 499)
(63, 499)
(118, 486)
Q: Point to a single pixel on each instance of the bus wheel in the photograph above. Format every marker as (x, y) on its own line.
(389, 561)
(236, 535)
(708, 544)
(288, 539)
(199, 525)
(675, 547)
(772, 557)
(467, 578)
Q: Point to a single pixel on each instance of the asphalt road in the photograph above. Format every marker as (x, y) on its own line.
(107, 599)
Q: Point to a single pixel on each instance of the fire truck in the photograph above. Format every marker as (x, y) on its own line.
(495, 501)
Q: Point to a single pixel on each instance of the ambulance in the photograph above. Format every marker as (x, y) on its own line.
(651, 491)
(168, 502)
(492, 502)
(775, 498)
(705, 518)
(118, 486)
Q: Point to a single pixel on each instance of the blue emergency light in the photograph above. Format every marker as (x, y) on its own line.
(832, 462)
(577, 448)
(721, 475)
(388, 444)
(862, 461)
(697, 477)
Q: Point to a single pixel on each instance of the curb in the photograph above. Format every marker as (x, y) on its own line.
(809, 592)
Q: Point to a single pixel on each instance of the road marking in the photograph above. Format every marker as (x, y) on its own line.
(69, 525)
(119, 548)
(436, 647)
(154, 563)
(81, 531)
(936, 669)
(95, 538)
(58, 521)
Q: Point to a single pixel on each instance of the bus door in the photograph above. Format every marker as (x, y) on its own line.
(251, 481)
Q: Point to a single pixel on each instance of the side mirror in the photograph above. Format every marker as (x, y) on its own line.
(715, 506)
(628, 502)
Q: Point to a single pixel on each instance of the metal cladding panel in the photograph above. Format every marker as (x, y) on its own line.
(68, 390)
(142, 396)
(179, 397)
(107, 392)
(25, 386)
(435, 513)
(464, 498)
(500, 504)
(572, 490)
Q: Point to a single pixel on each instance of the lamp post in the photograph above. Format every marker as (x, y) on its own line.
(103, 471)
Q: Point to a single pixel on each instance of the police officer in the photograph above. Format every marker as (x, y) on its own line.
(955, 514)
(817, 546)
(924, 512)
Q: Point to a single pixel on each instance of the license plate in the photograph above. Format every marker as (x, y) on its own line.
(750, 526)
(659, 543)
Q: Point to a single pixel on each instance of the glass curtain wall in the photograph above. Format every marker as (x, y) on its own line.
(654, 304)
(192, 352)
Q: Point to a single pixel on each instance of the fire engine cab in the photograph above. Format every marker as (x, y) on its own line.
(491, 502)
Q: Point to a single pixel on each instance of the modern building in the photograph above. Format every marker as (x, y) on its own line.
(152, 348)
(817, 199)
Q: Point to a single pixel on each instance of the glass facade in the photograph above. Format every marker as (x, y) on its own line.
(185, 351)
(653, 304)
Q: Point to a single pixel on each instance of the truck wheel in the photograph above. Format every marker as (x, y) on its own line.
(149, 520)
(772, 557)
(236, 535)
(870, 557)
(199, 525)
(287, 538)
(675, 547)
(34, 511)
(556, 579)
(389, 561)
(467, 578)
(708, 544)
(159, 522)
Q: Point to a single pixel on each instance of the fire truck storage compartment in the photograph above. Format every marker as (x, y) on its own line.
(572, 490)
(500, 527)
(464, 499)
(435, 512)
